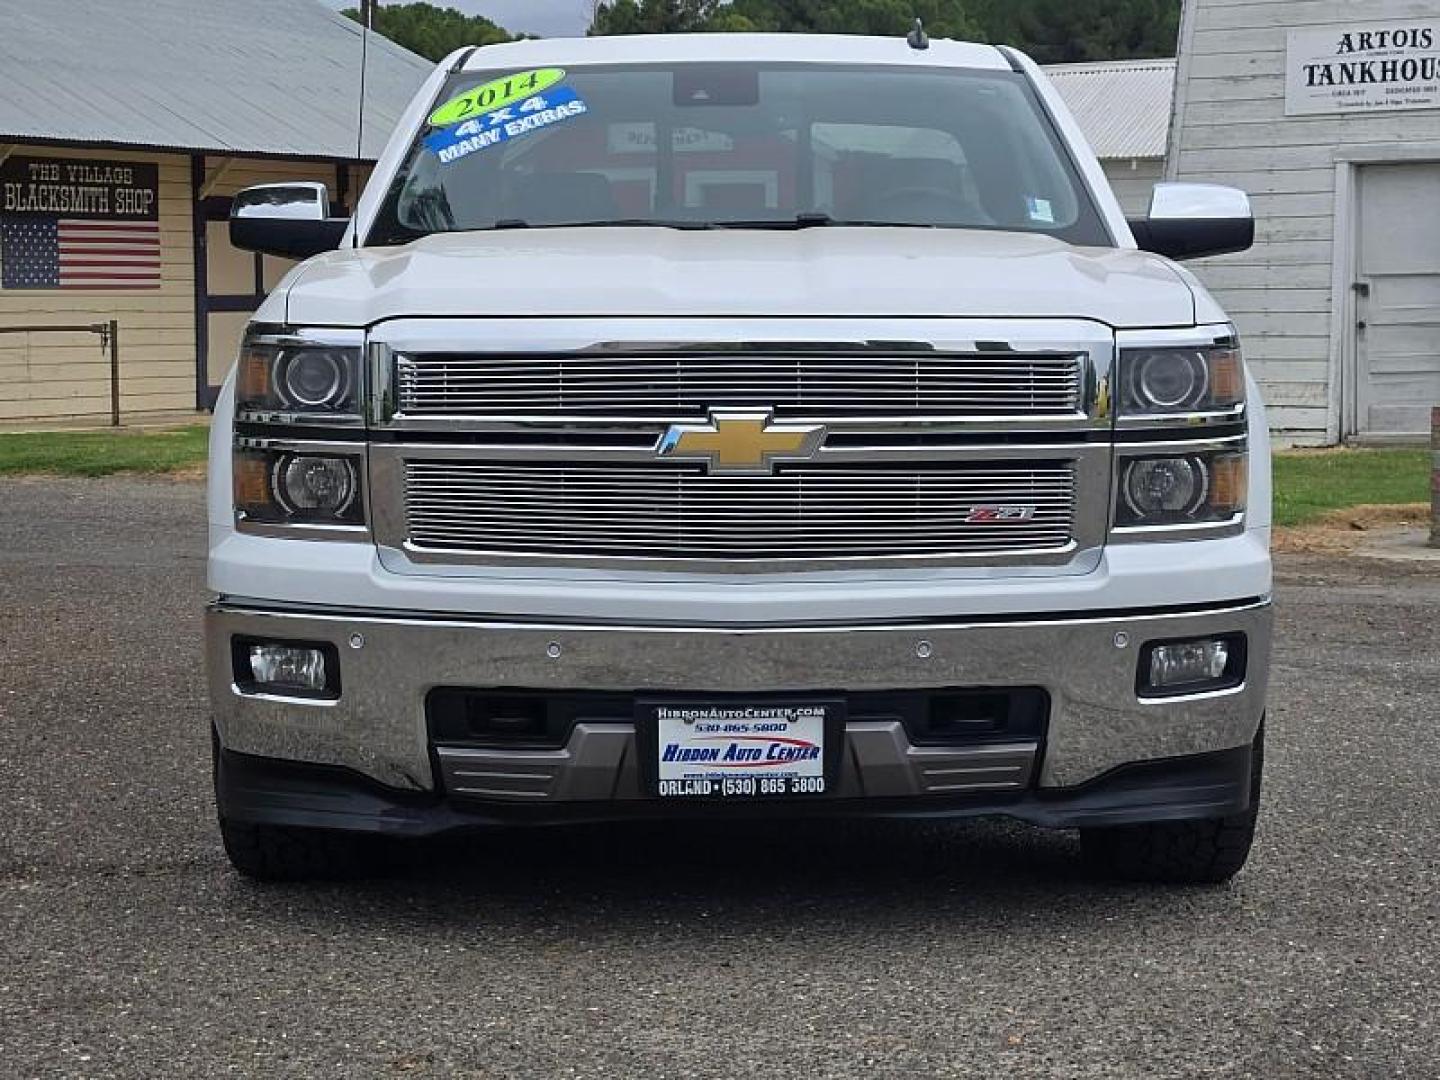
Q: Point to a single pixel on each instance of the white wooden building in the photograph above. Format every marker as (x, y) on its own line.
(1328, 113)
(1123, 107)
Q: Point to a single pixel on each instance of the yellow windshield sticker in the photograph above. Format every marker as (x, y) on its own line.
(495, 95)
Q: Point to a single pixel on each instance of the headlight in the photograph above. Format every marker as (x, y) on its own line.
(319, 380)
(1164, 487)
(288, 378)
(1181, 380)
(1186, 489)
(290, 488)
(314, 485)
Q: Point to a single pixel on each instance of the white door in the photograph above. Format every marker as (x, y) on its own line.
(1397, 302)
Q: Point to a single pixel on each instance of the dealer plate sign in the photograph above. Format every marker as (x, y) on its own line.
(741, 749)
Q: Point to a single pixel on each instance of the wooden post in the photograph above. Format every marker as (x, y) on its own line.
(1435, 477)
(112, 334)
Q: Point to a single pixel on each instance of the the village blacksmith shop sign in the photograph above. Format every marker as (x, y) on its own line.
(1363, 68)
(80, 188)
(76, 223)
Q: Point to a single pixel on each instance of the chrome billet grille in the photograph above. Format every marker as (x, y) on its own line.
(673, 387)
(802, 512)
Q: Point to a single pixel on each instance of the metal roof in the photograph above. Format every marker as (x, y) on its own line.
(274, 77)
(1122, 106)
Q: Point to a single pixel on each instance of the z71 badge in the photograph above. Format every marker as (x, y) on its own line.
(1000, 513)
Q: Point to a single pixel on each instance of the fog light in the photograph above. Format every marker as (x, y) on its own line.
(288, 667)
(1188, 666)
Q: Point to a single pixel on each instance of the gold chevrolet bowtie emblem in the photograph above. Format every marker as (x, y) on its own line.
(741, 441)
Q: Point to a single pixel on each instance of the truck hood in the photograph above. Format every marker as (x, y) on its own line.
(815, 272)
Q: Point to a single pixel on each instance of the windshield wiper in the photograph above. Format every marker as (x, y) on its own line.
(811, 219)
(606, 223)
(818, 219)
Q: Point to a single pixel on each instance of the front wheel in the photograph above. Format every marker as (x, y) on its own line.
(284, 853)
(276, 853)
(1206, 851)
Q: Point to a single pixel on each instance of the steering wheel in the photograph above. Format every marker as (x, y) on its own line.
(921, 194)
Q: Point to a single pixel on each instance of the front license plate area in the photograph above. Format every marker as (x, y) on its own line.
(740, 749)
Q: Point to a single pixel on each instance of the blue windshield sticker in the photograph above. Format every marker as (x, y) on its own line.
(1040, 210)
(501, 125)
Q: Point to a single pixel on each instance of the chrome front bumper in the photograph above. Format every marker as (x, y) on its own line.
(1087, 664)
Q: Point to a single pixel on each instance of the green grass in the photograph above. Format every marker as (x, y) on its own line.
(100, 453)
(1308, 483)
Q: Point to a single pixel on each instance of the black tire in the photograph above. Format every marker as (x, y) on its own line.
(1206, 851)
(274, 853)
(278, 853)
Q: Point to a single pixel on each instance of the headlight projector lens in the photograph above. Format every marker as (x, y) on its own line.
(1170, 381)
(315, 378)
(315, 485)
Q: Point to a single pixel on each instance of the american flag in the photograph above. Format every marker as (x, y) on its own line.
(73, 253)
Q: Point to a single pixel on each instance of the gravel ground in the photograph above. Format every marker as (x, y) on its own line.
(131, 949)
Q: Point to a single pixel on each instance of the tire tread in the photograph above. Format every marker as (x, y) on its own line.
(273, 853)
(1206, 851)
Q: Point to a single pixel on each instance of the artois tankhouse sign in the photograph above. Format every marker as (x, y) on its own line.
(1345, 69)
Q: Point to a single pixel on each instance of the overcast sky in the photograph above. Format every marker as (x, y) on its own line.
(549, 18)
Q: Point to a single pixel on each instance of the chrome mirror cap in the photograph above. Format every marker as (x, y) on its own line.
(1198, 202)
(298, 201)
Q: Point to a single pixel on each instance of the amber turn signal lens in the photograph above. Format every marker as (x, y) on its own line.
(252, 481)
(1229, 477)
(1227, 378)
(252, 382)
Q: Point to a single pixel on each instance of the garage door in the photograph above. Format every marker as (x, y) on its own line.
(1397, 350)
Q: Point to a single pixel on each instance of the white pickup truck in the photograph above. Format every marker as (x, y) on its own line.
(732, 426)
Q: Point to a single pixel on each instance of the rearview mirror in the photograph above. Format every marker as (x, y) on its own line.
(289, 220)
(1189, 221)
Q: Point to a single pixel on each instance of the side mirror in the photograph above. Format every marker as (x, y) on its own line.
(289, 220)
(1188, 221)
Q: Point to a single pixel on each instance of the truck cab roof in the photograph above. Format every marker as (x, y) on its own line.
(730, 48)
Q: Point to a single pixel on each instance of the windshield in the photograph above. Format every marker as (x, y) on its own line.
(737, 146)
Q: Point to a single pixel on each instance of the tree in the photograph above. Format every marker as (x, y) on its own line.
(653, 16)
(1052, 31)
(946, 18)
(1072, 31)
(942, 18)
(432, 32)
